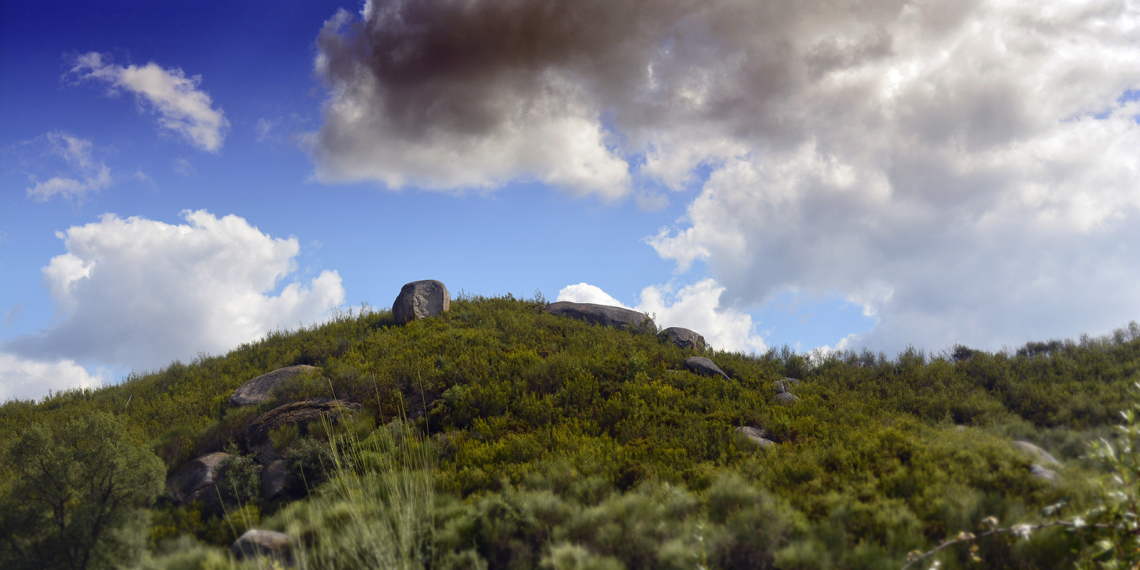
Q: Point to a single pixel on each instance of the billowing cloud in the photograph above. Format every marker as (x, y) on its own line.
(586, 293)
(182, 108)
(696, 307)
(139, 293)
(965, 171)
(86, 175)
(22, 379)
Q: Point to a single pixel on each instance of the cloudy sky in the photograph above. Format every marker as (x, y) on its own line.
(177, 178)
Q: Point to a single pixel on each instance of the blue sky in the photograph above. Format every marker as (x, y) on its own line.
(182, 177)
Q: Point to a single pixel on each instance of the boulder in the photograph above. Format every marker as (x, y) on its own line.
(264, 544)
(703, 366)
(420, 299)
(273, 479)
(1043, 473)
(1039, 455)
(256, 391)
(683, 338)
(197, 480)
(604, 315)
(301, 413)
(787, 398)
(785, 385)
(755, 435)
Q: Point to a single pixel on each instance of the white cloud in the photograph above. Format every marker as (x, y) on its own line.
(22, 379)
(139, 293)
(181, 106)
(87, 176)
(586, 293)
(965, 171)
(969, 185)
(696, 307)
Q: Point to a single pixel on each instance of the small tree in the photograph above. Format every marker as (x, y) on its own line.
(73, 496)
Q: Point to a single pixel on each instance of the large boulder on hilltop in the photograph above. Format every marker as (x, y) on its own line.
(264, 544)
(197, 480)
(703, 366)
(683, 338)
(419, 299)
(604, 315)
(257, 391)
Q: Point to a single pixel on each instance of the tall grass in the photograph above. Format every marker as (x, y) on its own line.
(375, 511)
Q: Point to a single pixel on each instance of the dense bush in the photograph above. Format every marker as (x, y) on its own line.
(73, 496)
(309, 463)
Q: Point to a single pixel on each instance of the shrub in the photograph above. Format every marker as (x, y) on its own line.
(76, 495)
(239, 480)
(309, 464)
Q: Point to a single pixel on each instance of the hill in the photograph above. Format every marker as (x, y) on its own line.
(498, 435)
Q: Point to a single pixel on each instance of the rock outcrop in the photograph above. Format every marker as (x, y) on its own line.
(785, 385)
(273, 479)
(604, 315)
(1039, 455)
(300, 413)
(421, 299)
(197, 480)
(257, 391)
(703, 366)
(264, 544)
(1043, 473)
(755, 435)
(683, 338)
(787, 398)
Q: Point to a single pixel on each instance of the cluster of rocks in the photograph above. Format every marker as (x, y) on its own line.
(197, 480)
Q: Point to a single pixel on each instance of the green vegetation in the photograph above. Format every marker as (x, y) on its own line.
(73, 497)
(499, 436)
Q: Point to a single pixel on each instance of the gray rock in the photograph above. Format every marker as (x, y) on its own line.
(1038, 454)
(298, 413)
(1043, 473)
(265, 544)
(604, 315)
(785, 385)
(420, 299)
(683, 338)
(787, 398)
(273, 479)
(257, 390)
(703, 366)
(755, 435)
(197, 480)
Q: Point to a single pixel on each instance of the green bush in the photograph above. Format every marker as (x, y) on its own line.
(309, 463)
(74, 495)
(239, 480)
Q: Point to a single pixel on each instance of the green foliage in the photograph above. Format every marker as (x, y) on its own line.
(239, 480)
(309, 463)
(573, 434)
(379, 507)
(74, 495)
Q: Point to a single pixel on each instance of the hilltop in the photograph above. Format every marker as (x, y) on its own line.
(549, 441)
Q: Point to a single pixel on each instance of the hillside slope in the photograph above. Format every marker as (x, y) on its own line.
(552, 439)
